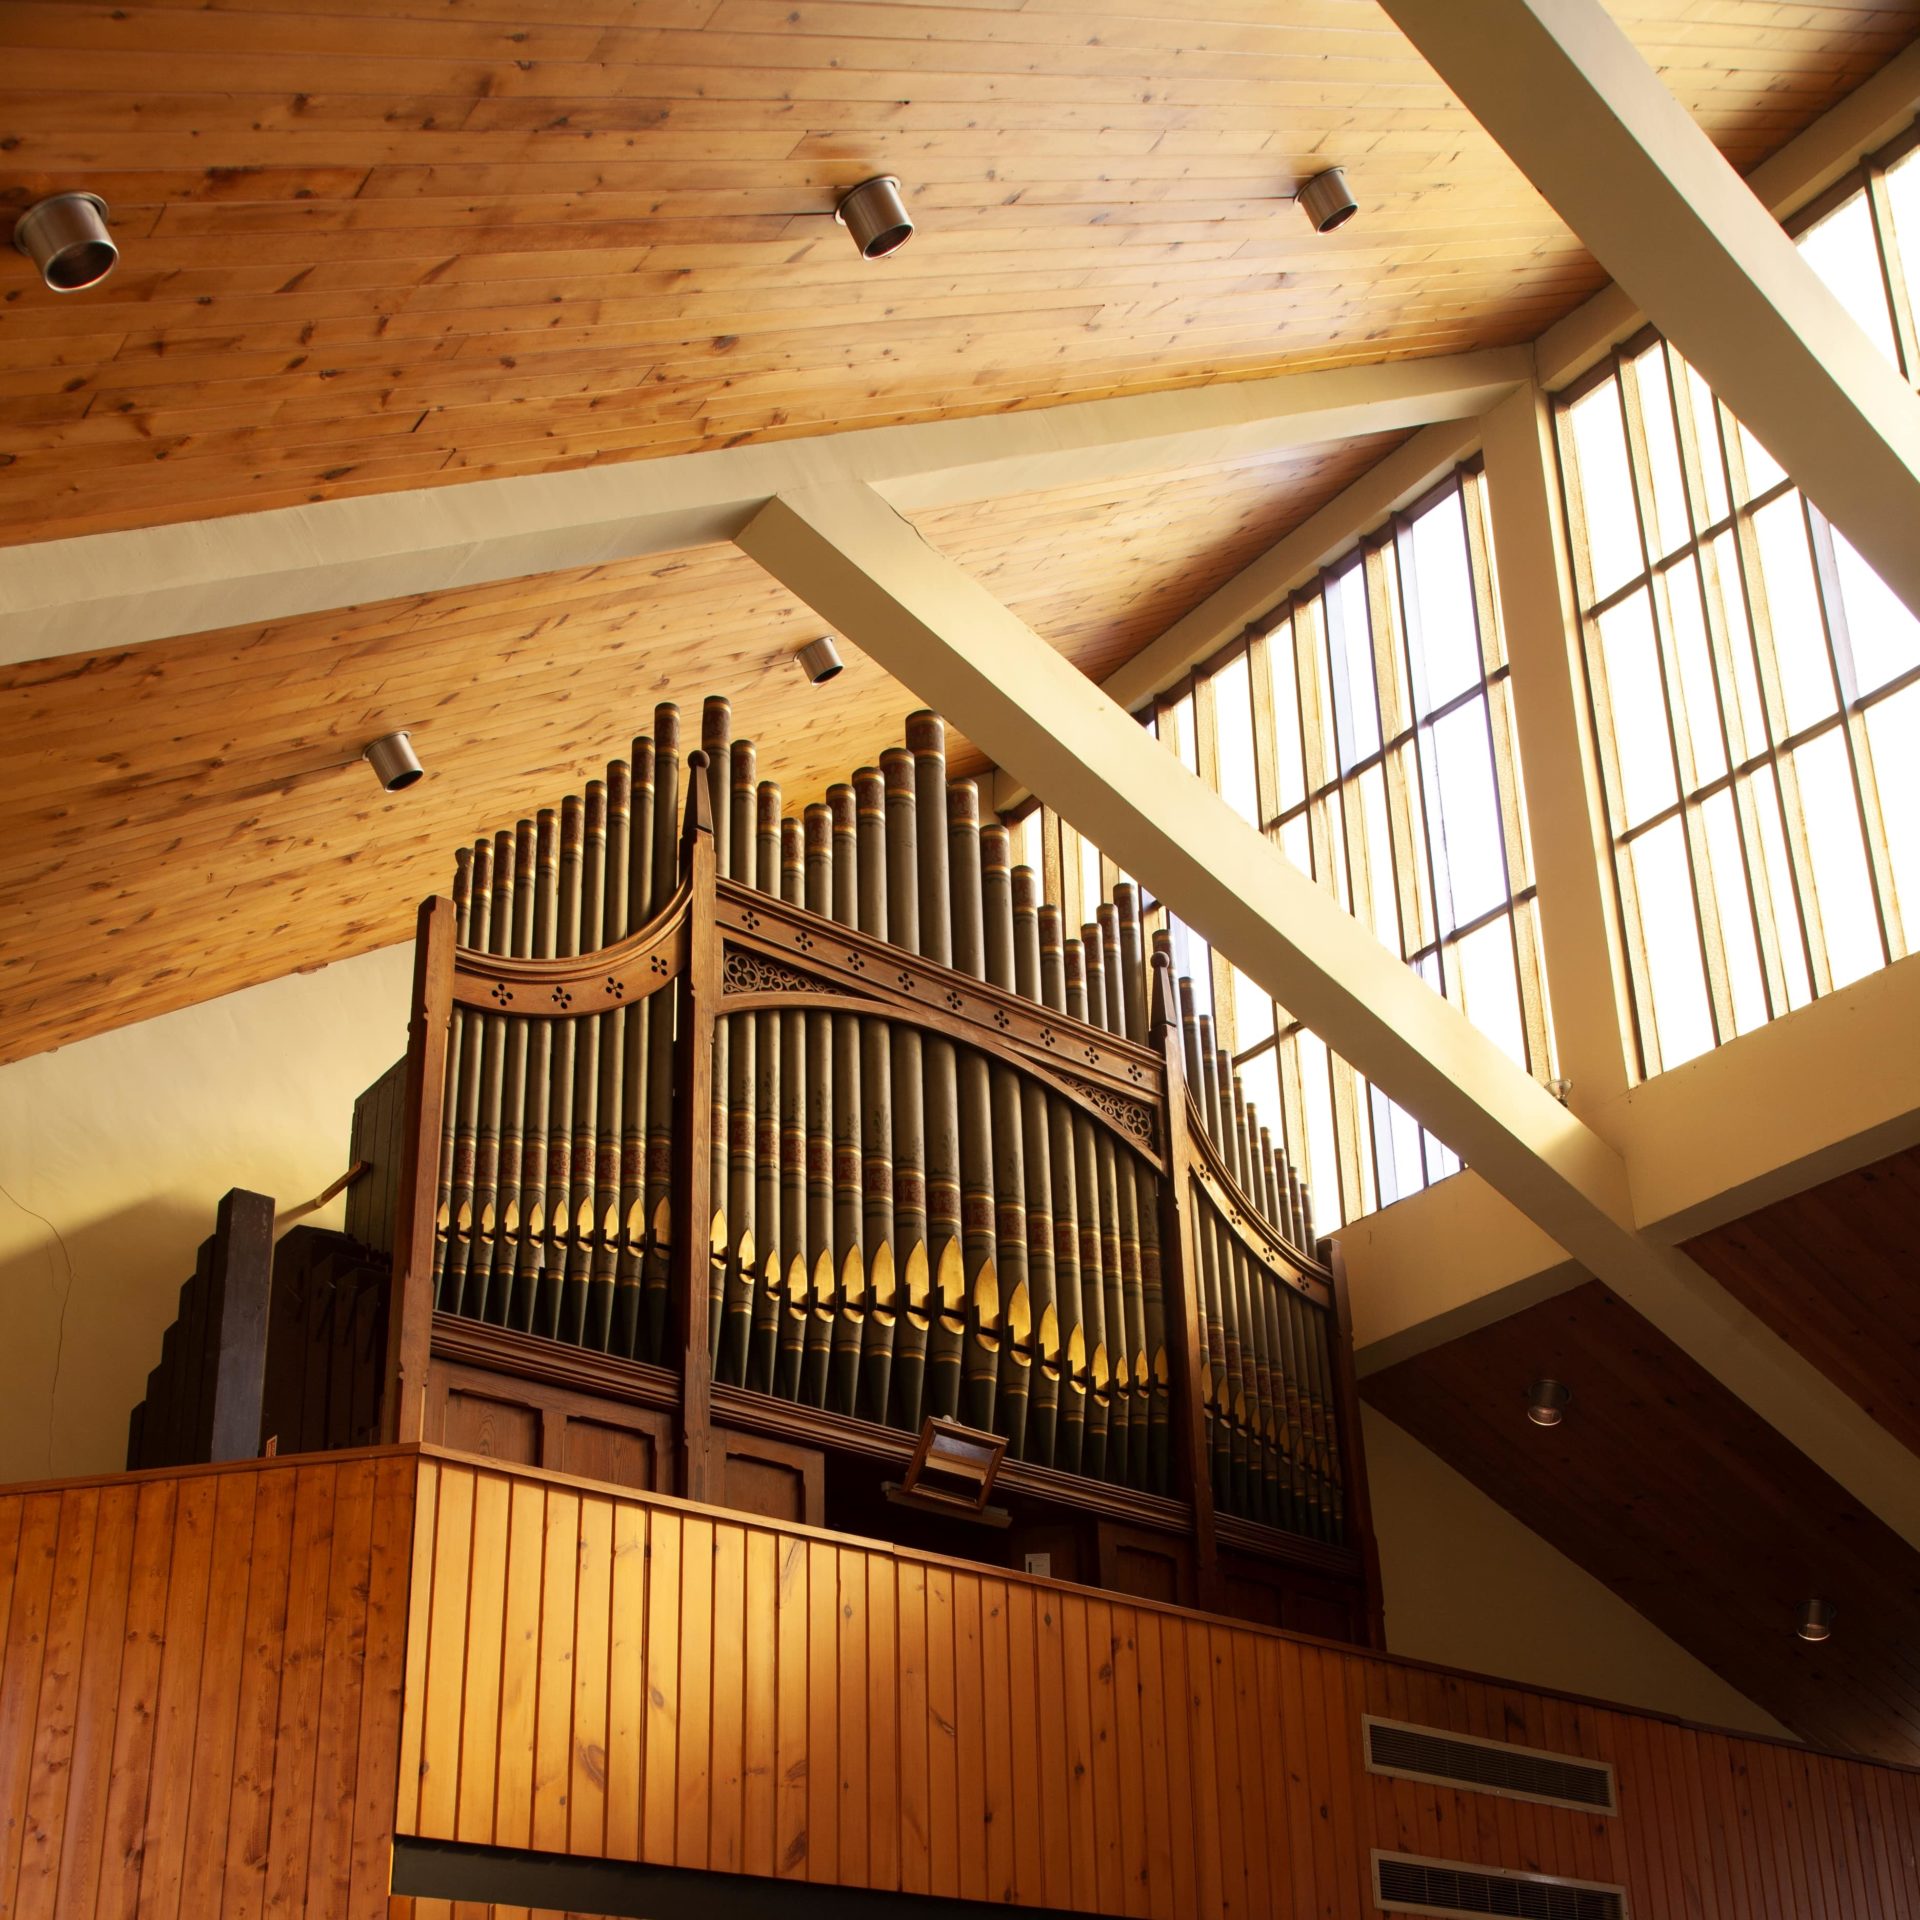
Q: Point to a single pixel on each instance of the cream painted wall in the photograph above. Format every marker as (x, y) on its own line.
(1467, 1585)
(114, 1153)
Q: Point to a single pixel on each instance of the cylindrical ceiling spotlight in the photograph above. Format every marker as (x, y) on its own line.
(395, 764)
(876, 216)
(1547, 1403)
(1326, 201)
(1816, 1620)
(66, 237)
(819, 659)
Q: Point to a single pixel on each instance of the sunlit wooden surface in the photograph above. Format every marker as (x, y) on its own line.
(370, 246)
(190, 817)
(700, 1690)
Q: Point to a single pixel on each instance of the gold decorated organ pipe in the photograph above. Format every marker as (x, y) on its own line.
(473, 1048)
(549, 1317)
(1093, 1284)
(850, 1278)
(1071, 1349)
(817, 824)
(769, 1271)
(1213, 1326)
(1103, 1009)
(445, 1225)
(1130, 1360)
(1009, 1161)
(946, 1270)
(716, 740)
(733, 1334)
(1149, 1345)
(876, 1114)
(480, 1298)
(510, 1290)
(610, 1034)
(1036, 1124)
(631, 1203)
(661, 1007)
(912, 1275)
(530, 1259)
(583, 1150)
(796, 1311)
(1297, 1489)
(980, 1364)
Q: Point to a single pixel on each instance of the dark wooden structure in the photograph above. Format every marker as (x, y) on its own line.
(404, 1685)
(731, 1147)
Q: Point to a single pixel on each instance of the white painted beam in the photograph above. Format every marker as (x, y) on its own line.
(1566, 816)
(122, 589)
(1560, 86)
(1869, 117)
(870, 574)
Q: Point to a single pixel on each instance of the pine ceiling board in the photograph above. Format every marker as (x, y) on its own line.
(1674, 1493)
(190, 817)
(400, 246)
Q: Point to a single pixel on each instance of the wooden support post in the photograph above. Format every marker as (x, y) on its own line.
(693, 1197)
(240, 1286)
(1179, 1281)
(410, 1298)
(1353, 1454)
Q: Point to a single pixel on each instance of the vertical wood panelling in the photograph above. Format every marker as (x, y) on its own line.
(750, 1697)
(200, 1695)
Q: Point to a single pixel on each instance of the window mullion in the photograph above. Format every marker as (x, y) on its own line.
(1773, 712)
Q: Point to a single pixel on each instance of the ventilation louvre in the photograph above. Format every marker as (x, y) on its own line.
(1405, 1884)
(1489, 1766)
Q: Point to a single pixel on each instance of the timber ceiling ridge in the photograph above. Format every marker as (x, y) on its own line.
(119, 590)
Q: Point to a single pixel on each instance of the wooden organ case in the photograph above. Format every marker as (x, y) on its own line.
(731, 1147)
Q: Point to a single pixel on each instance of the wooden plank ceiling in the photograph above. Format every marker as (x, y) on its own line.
(1674, 1493)
(372, 244)
(1836, 1271)
(189, 817)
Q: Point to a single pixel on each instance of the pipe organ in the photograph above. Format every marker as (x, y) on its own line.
(818, 1115)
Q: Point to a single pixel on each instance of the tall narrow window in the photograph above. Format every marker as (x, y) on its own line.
(1368, 731)
(1753, 689)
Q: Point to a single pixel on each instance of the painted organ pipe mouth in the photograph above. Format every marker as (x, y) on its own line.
(66, 238)
(876, 216)
(395, 764)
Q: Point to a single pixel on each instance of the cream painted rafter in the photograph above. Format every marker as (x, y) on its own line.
(122, 589)
(868, 572)
(1560, 86)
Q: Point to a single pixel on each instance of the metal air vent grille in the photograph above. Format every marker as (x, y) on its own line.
(1490, 1766)
(1404, 1884)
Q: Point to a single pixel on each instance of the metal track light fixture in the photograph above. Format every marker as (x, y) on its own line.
(1547, 1403)
(1816, 1621)
(1327, 201)
(876, 216)
(66, 238)
(395, 764)
(819, 660)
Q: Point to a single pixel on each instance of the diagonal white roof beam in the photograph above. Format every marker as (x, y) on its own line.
(122, 589)
(869, 573)
(1560, 86)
